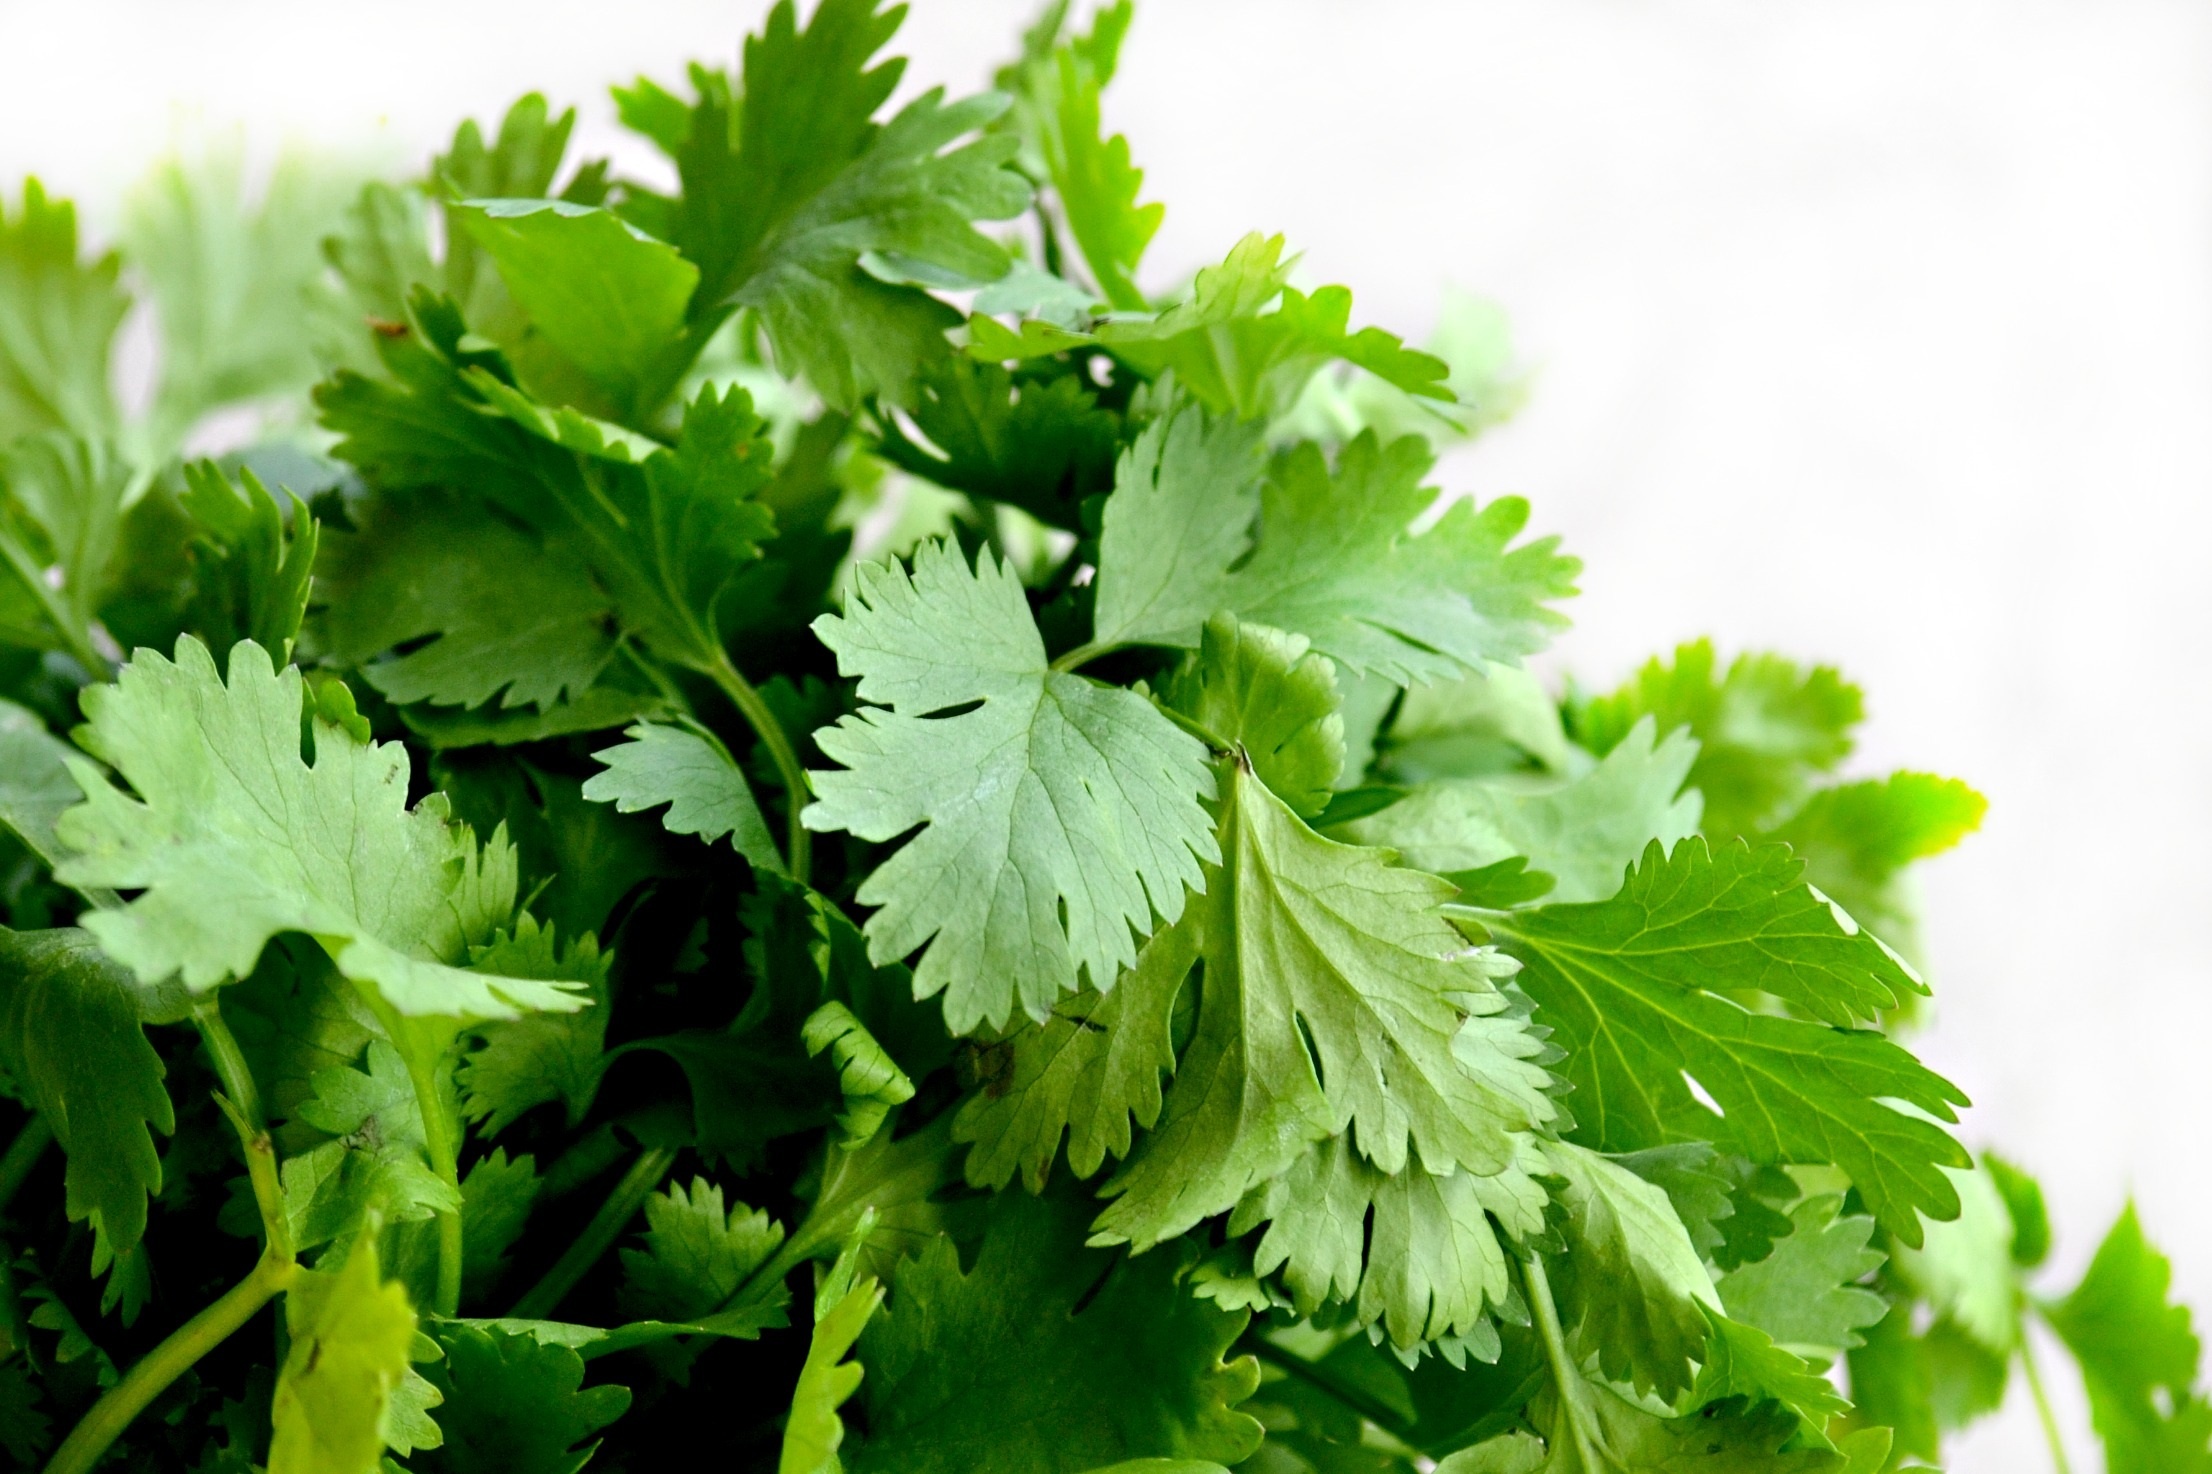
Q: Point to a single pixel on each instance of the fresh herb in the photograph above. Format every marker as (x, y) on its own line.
(797, 820)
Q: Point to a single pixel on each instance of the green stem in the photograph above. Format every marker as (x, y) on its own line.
(23, 1153)
(1298, 1367)
(91, 1438)
(230, 1061)
(73, 637)
(799, 847)
(598, 1236)
(2043, 1406)
(1082, 655)
(1566, 1376)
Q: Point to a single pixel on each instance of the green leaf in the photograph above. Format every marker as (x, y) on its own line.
(1029, 1363)
(352, 1332)
(58, 316)
(843, 1306)
(2023, 1198)
(1633, 987)
(1858, 837)
(1630, 1289)
(1045, 447)
(607, 298)
(665, 530)
(25, 1432)
(234, 838)
(514, 1405)
(1501, 721)
(1335, 559)
(35, 785)
(235, 279)
(484, 608)
(696, 1256)
(1743, 1361)
(2139, 1357)
(63, 509)
(872, 1082)
(1585, 832)
(1765, 729)
(1807, 1293)
(1094, 179)
(1336, 996)
(1964, 1267)
(1090, 1068)
(252, 571)
(496, 1198)
(785, 190)
(689, 770)
(1417, 1254)
(374, 1162)
(1260, 691)
(70, 1041)
(526, 1062)
(1053, 795)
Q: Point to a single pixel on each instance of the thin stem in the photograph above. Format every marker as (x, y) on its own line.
(113, 1413)
(230, 1061)
(1298, 1367)
(799, 846)
(598, 1236)
(1566, 1376)
(23, 1153)
(441, 1141)
(74, 639)
(1082, 655)
(2043, 1407)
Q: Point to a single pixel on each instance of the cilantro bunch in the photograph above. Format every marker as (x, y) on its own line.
(803, 820)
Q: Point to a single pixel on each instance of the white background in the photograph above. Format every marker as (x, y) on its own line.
(1877, 331)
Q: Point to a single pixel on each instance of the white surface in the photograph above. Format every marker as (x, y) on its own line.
(1873, 332)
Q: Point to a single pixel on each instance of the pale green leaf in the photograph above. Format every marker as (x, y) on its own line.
(233, 838)
(1807, 1293)
(352, 1333)
(1336, 996)
(1060, 814)
(1259, 690)
(692, 773)
(696, 1255)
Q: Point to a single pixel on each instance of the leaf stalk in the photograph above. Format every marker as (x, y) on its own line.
(746, 697)
(1566, 1375)
(606, 1226)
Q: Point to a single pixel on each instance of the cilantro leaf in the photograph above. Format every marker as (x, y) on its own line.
(1261, 691)
(1335, 996)
(1335, 558)
(352, 1333)
(1416, 1253)
(1042, 445)
(522, 1063)
(1806, 1294)
(1639, 1021)
(1020, 1364)
(484, 608)
(606, 301)
(1765, 728)
(234, 284)
(2139, 1357)
(373, 1162)
(1054, 794)
(689, 770)
(514, 1405)
(1585, 833)
(70, 1041)
(251, 582)
(1096, 184)
(1501, 721)
(1964, 1268)
(843, 1306)
(234, 838)
(58, 316)
(1743, 1361)
(1630, 1288)
(872, 1082)
(786, 189)
(61, 507)
(1090, 1068)
(35, 785)
(695, 1256)
(1858, 837)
